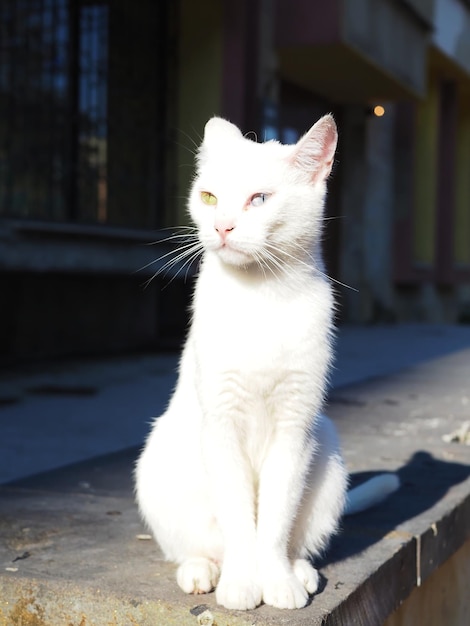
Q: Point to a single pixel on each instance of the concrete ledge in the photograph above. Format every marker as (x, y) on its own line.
(40, 247)
(70, 551)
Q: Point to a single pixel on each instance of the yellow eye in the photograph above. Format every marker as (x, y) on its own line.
(208, 198)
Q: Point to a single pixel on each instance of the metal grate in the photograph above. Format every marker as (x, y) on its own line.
(85, 92)
(53, 62)
(92, 145)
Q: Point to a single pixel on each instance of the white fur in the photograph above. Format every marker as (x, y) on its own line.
(242, 476)
(370, 493)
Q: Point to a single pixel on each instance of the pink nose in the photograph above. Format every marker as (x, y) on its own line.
(224, 227)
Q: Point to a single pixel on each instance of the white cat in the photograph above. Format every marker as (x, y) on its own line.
(241, 479)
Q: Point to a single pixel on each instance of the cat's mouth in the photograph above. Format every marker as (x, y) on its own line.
(232, 254)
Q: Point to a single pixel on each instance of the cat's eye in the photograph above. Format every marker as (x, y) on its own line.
(258, 199)
(208, 198)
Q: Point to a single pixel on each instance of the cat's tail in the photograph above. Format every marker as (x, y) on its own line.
(371, 492)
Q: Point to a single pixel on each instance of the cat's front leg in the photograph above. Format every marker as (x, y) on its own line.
(282, 482)
(238, 586)
(232, 486)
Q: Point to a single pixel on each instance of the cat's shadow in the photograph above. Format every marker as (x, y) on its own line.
(424, 481)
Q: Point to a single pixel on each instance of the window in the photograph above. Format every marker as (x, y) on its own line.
(92, 112)
(81, 80)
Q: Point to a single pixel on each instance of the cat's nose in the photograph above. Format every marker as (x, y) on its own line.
(224, 227)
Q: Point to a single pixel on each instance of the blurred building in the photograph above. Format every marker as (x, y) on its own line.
(103, 102)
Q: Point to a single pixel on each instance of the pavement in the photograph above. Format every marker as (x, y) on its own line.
(55, 414)
(74, 551)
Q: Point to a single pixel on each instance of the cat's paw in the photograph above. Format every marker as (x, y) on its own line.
(307, 575)
(286, 592)
(197, 575)
(241, 595)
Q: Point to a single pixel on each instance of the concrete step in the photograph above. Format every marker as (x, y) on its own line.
(74, 552)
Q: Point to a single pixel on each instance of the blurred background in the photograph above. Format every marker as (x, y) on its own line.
(102, 104)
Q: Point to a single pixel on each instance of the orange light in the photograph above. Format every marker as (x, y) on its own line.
(379, 110)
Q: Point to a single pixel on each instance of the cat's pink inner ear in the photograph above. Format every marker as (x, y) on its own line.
(315, 151)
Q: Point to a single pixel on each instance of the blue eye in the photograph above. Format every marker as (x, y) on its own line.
(258, 199)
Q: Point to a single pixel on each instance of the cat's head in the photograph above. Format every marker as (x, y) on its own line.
(261, 202)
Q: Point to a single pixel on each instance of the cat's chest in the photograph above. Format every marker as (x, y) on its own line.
(251, 324)
(252, 328)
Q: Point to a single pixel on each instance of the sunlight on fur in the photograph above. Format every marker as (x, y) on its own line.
(241, 479)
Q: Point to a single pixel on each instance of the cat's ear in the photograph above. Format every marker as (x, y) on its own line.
(314, 152)
(218, 129)
(216, 133)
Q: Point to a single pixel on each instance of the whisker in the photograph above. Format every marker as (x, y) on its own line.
(333, 217)
(183, 254)
(259, 262)
(283, 252)
(317, 269)
(200, 137)
(147, 282)
(191, 232)
(193, 141)
(189, 261)
(182, 249)
(171, 238)
(189, 246)
(179, 227)
(275, 261)
(338, 282)
(192, 253)
(185, 147)
(196, 256)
